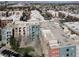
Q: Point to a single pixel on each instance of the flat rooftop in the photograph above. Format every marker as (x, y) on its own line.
(6, 18)
(55, 34)
(70, 14)
(52, 40)
(74, 26)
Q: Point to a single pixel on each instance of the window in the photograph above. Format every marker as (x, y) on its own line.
(7, 35)
(32, 35)
(33, 27)
(24, 28)
(7, 42)
(7, 32)
(15, 28)
(67, 54)
(33, 32)
(67, 49)
(7, 39)
(20, 29)
(24, 33)
(36, 26)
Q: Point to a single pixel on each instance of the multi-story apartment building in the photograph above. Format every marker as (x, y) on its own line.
(25, 31)
(72, 27)
(56, 48)
(36, 14)
(69, 17)
(25, 15)
(19, 28)
(54, 13)
(34, 32)
(16, 7)
(6, 33)
(54, 41)
(4, 21)
(62, 14)
(16, 15)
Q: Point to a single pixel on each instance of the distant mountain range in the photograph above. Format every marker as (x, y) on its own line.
(53, 1)
(40, 2)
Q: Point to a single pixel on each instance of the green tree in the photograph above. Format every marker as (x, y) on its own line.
(47, 15)
(14, 43)
(26, 51)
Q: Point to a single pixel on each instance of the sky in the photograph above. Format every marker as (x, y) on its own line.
(42, 1)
